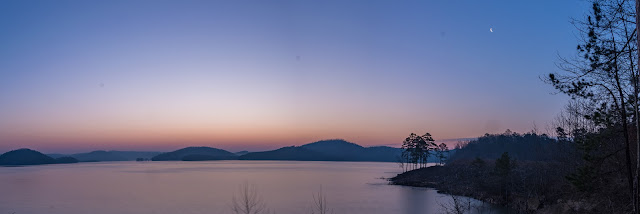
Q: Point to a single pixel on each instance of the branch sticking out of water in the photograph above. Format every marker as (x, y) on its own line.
(247, 201)
(320, 204)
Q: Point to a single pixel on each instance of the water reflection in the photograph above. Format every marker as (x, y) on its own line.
(207, 187)
(415, 199)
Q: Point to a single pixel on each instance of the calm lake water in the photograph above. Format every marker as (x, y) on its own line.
(207, 187)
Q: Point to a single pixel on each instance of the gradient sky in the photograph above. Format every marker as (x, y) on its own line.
(159, 75)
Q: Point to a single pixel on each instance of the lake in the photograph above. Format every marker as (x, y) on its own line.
(208, 187)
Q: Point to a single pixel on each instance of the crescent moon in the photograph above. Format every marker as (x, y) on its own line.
(491, 30)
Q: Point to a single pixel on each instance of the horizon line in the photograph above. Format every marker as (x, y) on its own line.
(241, 148)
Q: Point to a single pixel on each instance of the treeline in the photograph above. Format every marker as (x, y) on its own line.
(602, 79)
(591, 165)
(580, 170)
(526, 147)
(504, 169)
(417, 149)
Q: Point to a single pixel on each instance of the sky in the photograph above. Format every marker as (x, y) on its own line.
(77, 76)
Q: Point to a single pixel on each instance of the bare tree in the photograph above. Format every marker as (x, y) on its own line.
(248, 201)
(320, 204)
(457, 205)
(401, 162)
(461, 144)
(461, 204)
(573, 118)
(604, 73)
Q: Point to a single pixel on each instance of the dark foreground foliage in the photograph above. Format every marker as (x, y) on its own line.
(530, 173)
(592, 165)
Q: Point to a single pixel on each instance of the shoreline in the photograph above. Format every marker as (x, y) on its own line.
(433, 177)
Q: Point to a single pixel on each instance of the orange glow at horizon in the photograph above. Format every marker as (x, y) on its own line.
(224, 74)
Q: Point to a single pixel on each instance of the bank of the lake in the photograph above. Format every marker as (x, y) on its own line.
(464, 180)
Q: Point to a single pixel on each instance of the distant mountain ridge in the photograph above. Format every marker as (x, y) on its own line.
(332, 150)
(241, 153)
(24, 156)
(101, 155)
(329, 150)
(324, 150)
(289, 153)
(195, 154)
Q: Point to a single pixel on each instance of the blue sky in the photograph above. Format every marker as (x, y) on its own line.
(155, 75)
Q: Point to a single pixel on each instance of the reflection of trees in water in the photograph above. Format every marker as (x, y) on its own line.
(415, 201)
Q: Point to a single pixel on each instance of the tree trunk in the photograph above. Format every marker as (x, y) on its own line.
(625, 130)
(635, 95)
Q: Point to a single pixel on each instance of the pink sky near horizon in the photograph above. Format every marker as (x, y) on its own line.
(75, 147)
(258, 75)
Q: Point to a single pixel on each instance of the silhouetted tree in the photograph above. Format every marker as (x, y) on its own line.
(417, 150)
(503, 168)
(485, 169)
(604, 72)
(504, 164)
(441, 153)
(561, 134)
(575, 118)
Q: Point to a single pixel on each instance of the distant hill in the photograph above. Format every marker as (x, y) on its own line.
(201, 157)
(348, 151)
(99, 156)
(66, 160)
(109, 155)
(241, 153)
(339, 148)
(25, 157)
(289, 153)
(324, 150)
(196, 153)
(329, 150)
(382, 154)
(56, 155)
